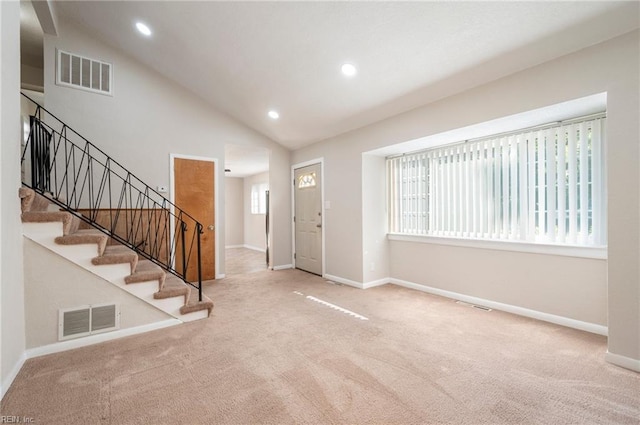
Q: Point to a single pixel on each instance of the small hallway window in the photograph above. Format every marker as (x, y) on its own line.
(259, 198)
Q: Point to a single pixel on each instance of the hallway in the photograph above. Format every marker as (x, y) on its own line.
(244, 260)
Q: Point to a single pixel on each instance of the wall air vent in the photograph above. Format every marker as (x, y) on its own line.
(83, 73)
(87, 320)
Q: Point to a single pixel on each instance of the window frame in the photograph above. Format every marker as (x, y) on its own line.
(498, 241)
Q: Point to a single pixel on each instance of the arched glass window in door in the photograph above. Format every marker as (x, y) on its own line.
(307, 180)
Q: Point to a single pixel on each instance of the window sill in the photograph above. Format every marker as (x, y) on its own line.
(598, 253)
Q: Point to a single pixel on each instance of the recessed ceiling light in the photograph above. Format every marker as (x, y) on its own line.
(349, 70)
(143, 28)
(274, 115)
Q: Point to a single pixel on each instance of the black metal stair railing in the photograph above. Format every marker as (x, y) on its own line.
(71, 172)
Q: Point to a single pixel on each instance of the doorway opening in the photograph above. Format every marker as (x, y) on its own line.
(247, 218)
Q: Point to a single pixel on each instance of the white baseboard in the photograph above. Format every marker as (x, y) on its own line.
(6, 383)
(622, 361)
(534, 314)
(355, 284)
(220, 276)
(344, 281)
(283, 267)
(251, 247)
(375, 283)
(95, 339)
(254, 248)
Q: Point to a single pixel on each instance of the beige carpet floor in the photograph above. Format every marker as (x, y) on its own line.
(269, 354)
(244, 260)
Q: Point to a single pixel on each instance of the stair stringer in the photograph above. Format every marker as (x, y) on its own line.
(45, 233)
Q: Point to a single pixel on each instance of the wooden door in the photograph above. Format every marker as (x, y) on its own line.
(308, 219)
(194, 182)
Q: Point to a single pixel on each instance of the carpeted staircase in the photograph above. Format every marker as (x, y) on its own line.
(60, 231)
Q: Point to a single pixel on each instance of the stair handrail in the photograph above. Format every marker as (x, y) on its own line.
(44, 143)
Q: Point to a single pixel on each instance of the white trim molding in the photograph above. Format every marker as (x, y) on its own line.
(254, 248)
(521, 311)
(6, 384)
(282, 267)
(343, 281)
(622, 361)
(597, 253)
(375, 283)
(355, 284)
(96, 339)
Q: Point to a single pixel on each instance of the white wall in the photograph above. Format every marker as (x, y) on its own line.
(149, 117)
(31, 77)
(51, 283)
(375, 249)
(254, 224)
(12, 340)
(610, 67)
(234, 211)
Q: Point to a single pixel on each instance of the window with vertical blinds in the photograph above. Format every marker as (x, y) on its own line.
(540, 185)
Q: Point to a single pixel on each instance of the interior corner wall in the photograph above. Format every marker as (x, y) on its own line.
(254, 224)
(150, 117)
(375, 246)
(12, 317)
(234, 211)
(610, 67)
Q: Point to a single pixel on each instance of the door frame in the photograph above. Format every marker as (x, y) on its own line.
(294, 167)
(172, 191)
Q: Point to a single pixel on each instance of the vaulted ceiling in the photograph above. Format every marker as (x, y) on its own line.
(246, 58)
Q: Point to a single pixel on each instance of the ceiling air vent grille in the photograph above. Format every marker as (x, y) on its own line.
(87, 320)
(84, 73)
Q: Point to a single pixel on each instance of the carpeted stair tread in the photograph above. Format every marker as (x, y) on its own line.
(117, 254)
(85, 237)
(173, 287)
(66, 218)
(145, 271)
(26, 198)
(32, 201)
(194, 304)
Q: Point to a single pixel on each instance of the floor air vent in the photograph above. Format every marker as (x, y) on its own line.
(479, 307)
(87, 320)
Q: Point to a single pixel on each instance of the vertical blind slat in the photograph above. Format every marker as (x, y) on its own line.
(562, 187)
(513, 187)
(504, 182)
(584, 183)
(597, 185)
(573, 179)
(550, 138)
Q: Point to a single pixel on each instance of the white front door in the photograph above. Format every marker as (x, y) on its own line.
(308, 219)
